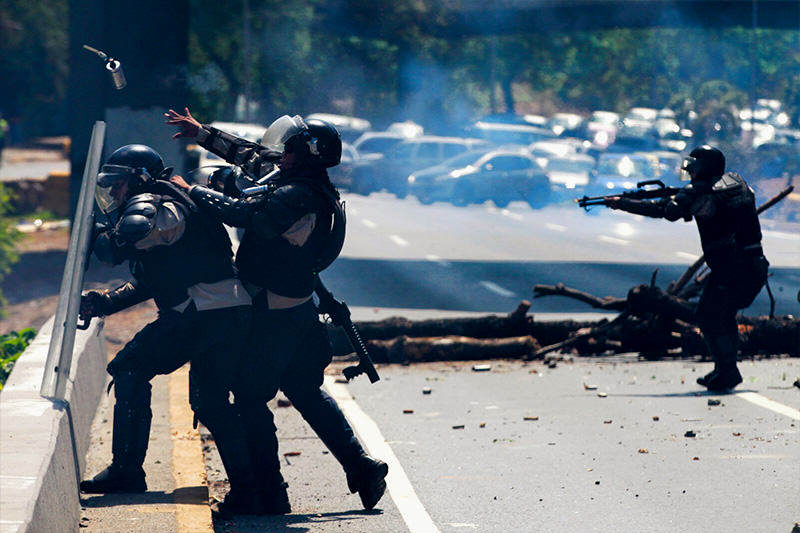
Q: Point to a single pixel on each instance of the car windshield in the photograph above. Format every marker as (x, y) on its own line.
(626, 166)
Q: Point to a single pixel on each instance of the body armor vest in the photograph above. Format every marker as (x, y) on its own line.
(202, 254)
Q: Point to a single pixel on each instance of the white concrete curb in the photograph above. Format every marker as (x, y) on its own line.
(38, 485)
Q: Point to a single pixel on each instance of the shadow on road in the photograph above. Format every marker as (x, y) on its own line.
(682, 394)
(197, 495)
(293, 522)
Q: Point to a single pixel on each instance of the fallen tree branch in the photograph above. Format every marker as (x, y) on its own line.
(559, 289)
(452, 348)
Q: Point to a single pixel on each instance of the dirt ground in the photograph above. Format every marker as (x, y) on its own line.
(31, 289)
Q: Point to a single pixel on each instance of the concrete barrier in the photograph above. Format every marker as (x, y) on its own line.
(38, 483)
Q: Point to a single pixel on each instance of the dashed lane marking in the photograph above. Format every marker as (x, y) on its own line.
(772, 405)
(555, 227)
(497, 289)
(436, 259)
(192, 515)
(398, 240)
(368, 223)
(411, 509)
(613, 240)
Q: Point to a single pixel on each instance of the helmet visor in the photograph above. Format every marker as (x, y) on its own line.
(112, 184)
(280, 131)
(688, 166)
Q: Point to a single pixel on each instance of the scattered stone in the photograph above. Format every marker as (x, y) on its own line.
(589, 387)
(532, 418)
(596, 482)
(713, 401)
(481, 368)
(695, 458)
(291, 454)
(426, 390)
(602, 394)
(656, 419)
(607, 421)
(737, 434)
(690, 434)
(797, 383)
(482, 425)
(552, 364)
(644, 450)
(408, 411)
(283, 402)
(158, 462)
(458, 426)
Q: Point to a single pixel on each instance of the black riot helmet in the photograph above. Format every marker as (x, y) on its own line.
(704, 163)
(125, 173)
(316, 142)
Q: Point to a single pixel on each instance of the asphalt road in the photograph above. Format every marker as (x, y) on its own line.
(598, 445)
(401, 254)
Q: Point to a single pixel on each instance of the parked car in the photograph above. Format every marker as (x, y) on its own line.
(498, 175)
(643, 113)
(377, 142)
(617, 171)
(390, 172)
(349, 127)
(669, 166)
(634, 136)
(510, 133)
(566, 124)
(570, 172)
(407, 128)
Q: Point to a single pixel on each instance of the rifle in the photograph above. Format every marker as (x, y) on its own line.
(340, 316)
(640, 193)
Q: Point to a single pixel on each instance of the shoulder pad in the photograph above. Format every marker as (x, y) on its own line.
(729, 181)
(137, 218)
(300, 195)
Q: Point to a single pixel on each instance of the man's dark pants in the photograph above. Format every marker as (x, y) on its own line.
(212, 340)
(289, 350)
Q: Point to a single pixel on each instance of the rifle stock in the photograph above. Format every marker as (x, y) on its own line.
(340, 316)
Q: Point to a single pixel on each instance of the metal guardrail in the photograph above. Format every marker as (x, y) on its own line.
(62, 341)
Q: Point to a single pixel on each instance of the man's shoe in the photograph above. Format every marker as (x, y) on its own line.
(116, 479)
(238, 502)
(705, 380)
(276, 501)
(369, 481)
(724, 379)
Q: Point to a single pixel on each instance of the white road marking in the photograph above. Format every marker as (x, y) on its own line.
(437, 259)
(613, 240)
(555, 227)
(411, 509)
(398, 240)
(368, 223)
(687, 255)
(781, 235)
(772, 405)
(497, 289)
(511, 214)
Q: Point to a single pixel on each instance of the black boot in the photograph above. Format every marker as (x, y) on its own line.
(704, 380)
(276, 500)
(117, 479)
(725, 378)
(368, 480)
(238, 502)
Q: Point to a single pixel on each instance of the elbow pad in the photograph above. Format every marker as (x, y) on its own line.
(673, 212)
(107, 250)
(232, 211)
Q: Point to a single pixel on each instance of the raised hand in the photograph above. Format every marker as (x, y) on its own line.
(187, 123)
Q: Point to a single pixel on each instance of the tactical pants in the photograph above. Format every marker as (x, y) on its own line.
(212, 341)
(289, 350)
(725, 293)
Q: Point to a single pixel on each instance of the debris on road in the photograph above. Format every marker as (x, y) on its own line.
(481, 368)
(426, 390)
(656, 418)
(458, 426)
(797, 383)
(736, 434)
(589, 387)
(482, 425)
(644, 450)
(530, 418)
(690, 434)
(284, 402)
(602, 394)
(291, 454)
(408, 411)
(607, 421)
(713, 401)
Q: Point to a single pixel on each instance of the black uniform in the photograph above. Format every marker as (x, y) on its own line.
(184, 262)
(289, 346)
(730, 234)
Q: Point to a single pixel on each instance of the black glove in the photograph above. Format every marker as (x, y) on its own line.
(94, 303)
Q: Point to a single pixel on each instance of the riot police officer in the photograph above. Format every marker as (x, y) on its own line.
(723, 206)
(287, 240)
(184, 262)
